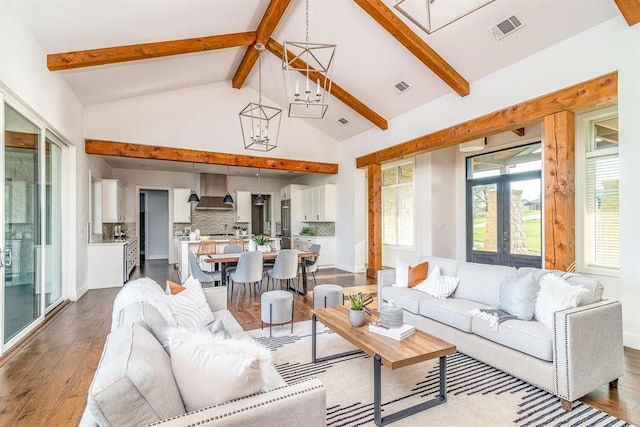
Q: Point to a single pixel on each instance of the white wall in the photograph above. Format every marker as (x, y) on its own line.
(157, 215)
(557, 67)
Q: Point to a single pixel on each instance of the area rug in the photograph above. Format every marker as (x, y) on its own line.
(478, 395)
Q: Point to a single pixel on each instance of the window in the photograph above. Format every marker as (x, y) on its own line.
(602, 207)
(398, 204)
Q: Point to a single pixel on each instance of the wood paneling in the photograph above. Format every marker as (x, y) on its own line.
(398, 29)
(278, 50)
(268, 24)
(140, 151)
(112, 55)
(630, 9)
(599, 92)
(559, 191)
(374, 189)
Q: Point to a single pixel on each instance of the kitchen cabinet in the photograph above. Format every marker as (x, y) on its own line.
(113, 200)
(110, 264)
(327, 248)
(243, 206)
(319, 203)
(181, 207)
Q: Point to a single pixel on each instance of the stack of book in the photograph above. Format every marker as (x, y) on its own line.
(396, 333)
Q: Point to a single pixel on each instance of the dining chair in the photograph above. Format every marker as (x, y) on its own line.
(202, 276)
(206, 247)
(285, 268)
(235, 242)
(231, 249)
(311, 264)
(248, 271)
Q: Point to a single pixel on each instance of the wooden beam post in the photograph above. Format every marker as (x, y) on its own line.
(559, 191)
(630, 10)
(374, 188)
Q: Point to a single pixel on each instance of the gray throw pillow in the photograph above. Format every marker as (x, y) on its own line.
(518, 296)
(217, 327)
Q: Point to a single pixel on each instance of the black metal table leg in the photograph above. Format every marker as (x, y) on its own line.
(377, 391)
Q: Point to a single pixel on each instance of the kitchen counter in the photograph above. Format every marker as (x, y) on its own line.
(111, 241)
(215, 238)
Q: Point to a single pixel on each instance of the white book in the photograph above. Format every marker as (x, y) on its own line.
(395, 333)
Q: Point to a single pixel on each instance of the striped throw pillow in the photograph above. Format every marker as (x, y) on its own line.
(190, 309)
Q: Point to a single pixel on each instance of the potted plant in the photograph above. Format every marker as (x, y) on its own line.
(358, 307)
(244, 230)
(262, 243)
(306, 231)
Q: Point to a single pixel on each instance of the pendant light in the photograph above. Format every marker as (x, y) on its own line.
(228, 200)
(193, 197)
(259, 200)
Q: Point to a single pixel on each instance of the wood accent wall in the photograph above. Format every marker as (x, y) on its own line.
(559, 190)
(374, 188)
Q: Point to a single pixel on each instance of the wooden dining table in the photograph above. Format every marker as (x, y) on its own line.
(225, 259)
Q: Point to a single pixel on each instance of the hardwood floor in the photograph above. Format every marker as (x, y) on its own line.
(45, 382)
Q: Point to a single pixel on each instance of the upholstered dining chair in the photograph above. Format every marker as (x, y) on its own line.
(231, 249)
(248, 271)
(202, 276)
(311, 265)
(285, 268)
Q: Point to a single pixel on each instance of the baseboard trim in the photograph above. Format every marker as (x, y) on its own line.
(631, 340)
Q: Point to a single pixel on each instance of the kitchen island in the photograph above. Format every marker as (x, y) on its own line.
(111, 261)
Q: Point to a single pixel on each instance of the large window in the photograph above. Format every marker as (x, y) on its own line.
(398, 204)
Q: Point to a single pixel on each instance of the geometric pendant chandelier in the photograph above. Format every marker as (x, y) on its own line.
(306, 69)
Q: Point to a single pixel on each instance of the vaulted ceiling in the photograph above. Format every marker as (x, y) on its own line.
(377, 47)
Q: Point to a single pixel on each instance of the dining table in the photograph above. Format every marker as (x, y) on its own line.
(232, 258)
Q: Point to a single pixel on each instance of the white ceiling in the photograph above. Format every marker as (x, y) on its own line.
(369, 61)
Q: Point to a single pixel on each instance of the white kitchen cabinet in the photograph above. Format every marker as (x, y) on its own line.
(181, 207)
(327, 248)
(320, 203)
(110, 264)
(113, 201)
(243, 206)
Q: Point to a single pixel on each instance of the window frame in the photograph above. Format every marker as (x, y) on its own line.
(398, 185)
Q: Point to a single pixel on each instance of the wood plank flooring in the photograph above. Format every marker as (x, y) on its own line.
(45, 382)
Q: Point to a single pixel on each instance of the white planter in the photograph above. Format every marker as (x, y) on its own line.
(356, 317)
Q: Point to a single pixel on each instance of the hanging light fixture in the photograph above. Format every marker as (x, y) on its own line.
(259, 200)
(228, 200)
(314, 61)
(193, 197)
(260, 123)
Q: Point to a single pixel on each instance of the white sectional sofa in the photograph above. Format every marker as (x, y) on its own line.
(582, 352)
(134, 383)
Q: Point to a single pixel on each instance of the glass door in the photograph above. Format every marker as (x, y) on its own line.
(53, 225)
(21, 215)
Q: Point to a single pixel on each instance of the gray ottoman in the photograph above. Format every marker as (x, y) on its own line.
(327, 296)
(276, 307)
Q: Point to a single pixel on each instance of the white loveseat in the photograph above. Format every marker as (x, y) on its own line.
(134, 383)
(582, 352)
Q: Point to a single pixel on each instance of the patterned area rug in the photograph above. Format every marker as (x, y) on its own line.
(478, 395)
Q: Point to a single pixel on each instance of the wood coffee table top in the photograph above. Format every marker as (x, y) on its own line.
(394, 354)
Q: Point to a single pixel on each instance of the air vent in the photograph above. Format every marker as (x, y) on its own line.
(506, 27)
(401, 87)
(343, 121)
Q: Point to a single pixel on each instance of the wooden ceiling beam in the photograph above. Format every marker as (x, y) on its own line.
(598, 92)
(141, 151)
(630, 10)
(113, 55)
(398, 29)
(278, 50)
(267, 26)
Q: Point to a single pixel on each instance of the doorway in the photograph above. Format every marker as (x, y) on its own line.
(153, 224)
(504, 207)
(261, 216)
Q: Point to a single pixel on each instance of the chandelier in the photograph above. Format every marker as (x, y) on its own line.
(430, 15)
(308, 94)
(260, 123)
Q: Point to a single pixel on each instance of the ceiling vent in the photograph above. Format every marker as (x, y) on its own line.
(506, 27)
(401, 87)
(343, 121)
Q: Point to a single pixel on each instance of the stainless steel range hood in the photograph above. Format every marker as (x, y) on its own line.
(213, 188)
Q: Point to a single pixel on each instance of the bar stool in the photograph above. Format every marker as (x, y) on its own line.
(276, 307)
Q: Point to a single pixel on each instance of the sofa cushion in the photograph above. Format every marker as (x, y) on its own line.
(518, 296)
(527, 336)
(593, 286)
(481, 282)
(134, 383)
(230, 323)
(451, 311)
(405, 298)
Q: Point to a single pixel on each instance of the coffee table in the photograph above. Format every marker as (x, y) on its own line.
(386, 351)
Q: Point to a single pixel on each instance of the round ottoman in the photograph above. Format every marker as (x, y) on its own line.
(276, 307)
(327, 296)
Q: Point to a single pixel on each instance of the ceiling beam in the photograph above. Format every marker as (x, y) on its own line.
(141, 151)
(268, 24)
(398, 29)
(599, 92)
(630, 10)
(134, 52)
(277, 49)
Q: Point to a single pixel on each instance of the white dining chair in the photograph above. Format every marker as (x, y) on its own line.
(248, 271)
(285, 268)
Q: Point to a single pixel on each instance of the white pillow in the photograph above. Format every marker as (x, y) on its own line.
(190, 308)
(555, 294)
(438, 285)
(211, 370)
(402, 274)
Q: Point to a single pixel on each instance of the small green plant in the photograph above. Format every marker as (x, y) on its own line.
(305, 230)
(359, 301)
(261, 240)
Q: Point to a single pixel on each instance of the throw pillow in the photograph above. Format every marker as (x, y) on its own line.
(518, 296)
(555, 295)
(211, 370)
(438, 285)
(190, 308)
(402, 274)
(174, 288)
(407, 276)
(217, 327)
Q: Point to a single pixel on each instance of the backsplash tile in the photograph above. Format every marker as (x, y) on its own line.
(320, 228)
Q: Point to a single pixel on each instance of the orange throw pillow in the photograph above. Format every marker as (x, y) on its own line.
(174, 287)
(418, 274)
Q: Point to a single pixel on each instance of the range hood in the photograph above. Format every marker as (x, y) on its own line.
(213, 188)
